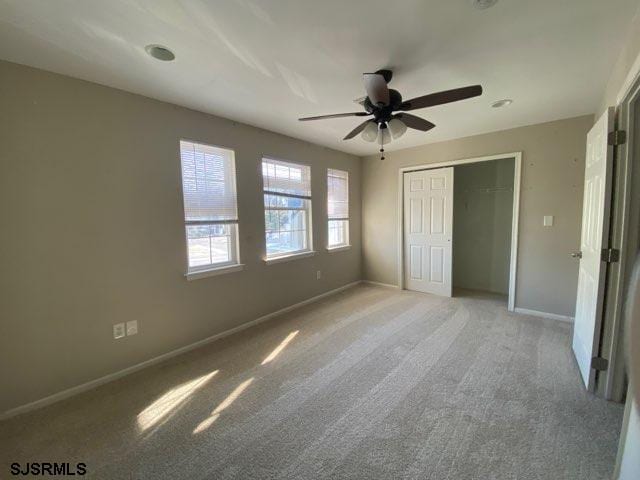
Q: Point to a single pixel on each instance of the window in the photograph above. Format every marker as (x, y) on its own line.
(210, 206)
(338, 208)
(287, 207)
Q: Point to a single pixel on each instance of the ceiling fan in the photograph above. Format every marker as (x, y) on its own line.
(382, 102)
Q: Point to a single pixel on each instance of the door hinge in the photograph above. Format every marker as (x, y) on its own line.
(617, 137)
(599, 363)
(610, 255)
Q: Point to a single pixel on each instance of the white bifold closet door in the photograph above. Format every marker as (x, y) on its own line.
(428, 224)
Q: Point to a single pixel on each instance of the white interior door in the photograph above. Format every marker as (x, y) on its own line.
(595, 233)
(428, 224)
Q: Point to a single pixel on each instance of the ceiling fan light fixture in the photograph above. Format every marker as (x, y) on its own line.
(382, 103)
(370, 132)
(397, 128)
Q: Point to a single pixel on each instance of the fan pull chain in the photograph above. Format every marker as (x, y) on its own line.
(381, 149)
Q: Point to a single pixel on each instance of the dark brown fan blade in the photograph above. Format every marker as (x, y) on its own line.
(356, 130)
(417, 123)
(376, 87)
(335, 115)
(439, 98)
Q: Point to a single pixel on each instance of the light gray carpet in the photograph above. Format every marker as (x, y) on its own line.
(376, 383)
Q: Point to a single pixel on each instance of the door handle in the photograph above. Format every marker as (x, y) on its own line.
(576, 254)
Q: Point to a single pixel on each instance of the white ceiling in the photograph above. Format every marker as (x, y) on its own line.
(268, 62)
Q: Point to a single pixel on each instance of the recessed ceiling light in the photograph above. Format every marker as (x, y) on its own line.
(502, 103)
(483, 4)
(159, 52)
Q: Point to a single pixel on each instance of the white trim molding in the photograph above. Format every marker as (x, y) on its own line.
(380, 284)
(341, 248)
(513, 263)
(630, 79)
(289, 257)
(56, 397)
(536, 313)
(212, 272)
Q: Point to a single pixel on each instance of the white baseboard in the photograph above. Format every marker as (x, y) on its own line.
(536, 313)
(387, 285)
(56, 397)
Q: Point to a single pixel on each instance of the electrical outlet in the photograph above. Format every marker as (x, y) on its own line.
(132, 327)
(318, 275)
(118, 330)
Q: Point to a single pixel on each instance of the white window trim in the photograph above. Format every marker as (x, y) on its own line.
(193, 273)
(212, 272)
(309, 251)
(347, 245)
(289, 257)
(235, 253)
(340, 245)
(309, 220)
(339, 248)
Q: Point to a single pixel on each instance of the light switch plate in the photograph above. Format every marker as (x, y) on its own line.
(118, 330)
(548, 221)
(318, 275)
(132, 327)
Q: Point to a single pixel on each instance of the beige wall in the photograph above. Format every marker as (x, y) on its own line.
(482, 211)
(552, 180)
(92, 231)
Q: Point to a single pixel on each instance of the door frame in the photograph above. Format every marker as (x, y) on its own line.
(625, 220)
(515, 218)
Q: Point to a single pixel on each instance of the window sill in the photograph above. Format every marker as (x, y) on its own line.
(287, 258)
(212, 272)
(341, 248)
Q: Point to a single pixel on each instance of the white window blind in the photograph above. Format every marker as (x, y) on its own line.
(338, 207)
(286, 178)
(210, 205)
(287, 203)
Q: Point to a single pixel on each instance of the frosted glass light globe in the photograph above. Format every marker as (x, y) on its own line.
(370, 132)
(397, 128)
